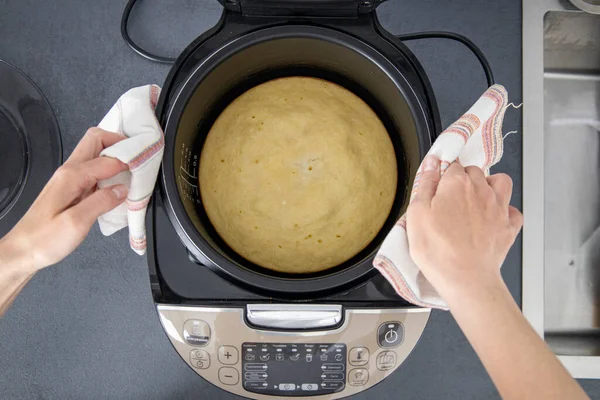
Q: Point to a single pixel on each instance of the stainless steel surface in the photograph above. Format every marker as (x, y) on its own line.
(561, 181)
(571, 76)
(572, 208)
(590, 6)
(228, 331)
(571, 42)
(294, 316)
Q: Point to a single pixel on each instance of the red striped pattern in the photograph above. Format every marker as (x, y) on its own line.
(153, 96)
(155, 147)
(492, 130)
(464, 127)
(137, 243)
(147, 154)
(386, 267)
(138, 205)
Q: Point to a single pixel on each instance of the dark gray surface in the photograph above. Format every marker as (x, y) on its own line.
(87, 328)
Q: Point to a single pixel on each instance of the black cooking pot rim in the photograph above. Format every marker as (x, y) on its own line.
(193, 240)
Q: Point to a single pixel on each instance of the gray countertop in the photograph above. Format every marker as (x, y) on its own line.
(87, 328)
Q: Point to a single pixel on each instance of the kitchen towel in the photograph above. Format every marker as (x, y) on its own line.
(133, 116)
(474, 140)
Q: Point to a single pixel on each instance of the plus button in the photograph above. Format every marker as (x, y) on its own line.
(228, 355)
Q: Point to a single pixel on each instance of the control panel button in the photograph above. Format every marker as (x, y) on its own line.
(196, 332)
(358, 377)
(287, 386)
(228, 355)
(229, 376)
(390, 334)
(255, 385)
(359, 356)
(332, 385)
(309, 387)
(332, 376)
(199, 359)
(332, 367)
(386, 360)
(256, 376)
(255, 367)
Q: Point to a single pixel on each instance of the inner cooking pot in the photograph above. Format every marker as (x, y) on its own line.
(292, 50)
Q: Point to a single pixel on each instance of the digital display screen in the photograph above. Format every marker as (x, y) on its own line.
(298, 369)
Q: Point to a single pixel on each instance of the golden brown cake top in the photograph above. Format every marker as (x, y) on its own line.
(298, 175)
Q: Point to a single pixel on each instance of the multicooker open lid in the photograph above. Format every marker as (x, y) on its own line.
(30, 144)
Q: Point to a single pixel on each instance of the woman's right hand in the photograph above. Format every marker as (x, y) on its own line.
(461, 226)
(68, 206)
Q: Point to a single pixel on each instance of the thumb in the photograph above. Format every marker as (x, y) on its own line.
(515, 219)
(428, 180)
(96, 204)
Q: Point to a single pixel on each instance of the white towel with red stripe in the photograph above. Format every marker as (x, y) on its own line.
(133, 116)
(474, 140)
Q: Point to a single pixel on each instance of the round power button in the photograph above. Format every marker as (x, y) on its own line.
(390, 334)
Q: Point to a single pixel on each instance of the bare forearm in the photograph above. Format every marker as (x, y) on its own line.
(517, 359)
(10, 286)
(15, 272)
(62, 215)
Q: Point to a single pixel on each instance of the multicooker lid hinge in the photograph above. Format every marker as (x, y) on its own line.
(302, 8)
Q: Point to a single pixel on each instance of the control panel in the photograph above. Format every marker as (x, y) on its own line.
(294, 369)
(262, 364)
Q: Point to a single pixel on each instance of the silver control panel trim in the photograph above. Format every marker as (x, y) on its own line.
(220, 358)
(294, 316)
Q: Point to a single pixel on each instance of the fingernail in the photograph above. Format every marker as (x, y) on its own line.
(120, 191)
(431, 163)
(124, 166)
